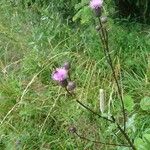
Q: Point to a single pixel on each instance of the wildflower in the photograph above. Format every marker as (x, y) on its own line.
(60, 74)
(71, 86)
(96, 6)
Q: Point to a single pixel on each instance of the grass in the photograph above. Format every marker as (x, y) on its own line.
(34, 112)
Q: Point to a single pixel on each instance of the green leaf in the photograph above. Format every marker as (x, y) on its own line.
(80, 5)
(147, 136)
(143, 143)
(145, 103)
(84, 14)
(139, 143)
(129, 103)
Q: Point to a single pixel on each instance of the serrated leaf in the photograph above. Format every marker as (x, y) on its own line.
(145, 103)
(86, 15)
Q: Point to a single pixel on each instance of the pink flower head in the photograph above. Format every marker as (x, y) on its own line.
(60, 74)
(95, 4)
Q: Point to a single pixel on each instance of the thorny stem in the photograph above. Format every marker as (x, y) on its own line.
(125, 135)
(68, 91)
(89, 109)
(79, 102)
(104, 38)
(112, 121)
(110, 144)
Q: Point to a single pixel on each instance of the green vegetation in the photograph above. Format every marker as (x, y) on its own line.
(35, 113)
(134, 9)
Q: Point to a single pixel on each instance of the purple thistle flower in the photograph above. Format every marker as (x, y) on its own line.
(60, 74)
(95, 4)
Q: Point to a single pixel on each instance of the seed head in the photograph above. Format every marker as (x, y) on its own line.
(71, 86)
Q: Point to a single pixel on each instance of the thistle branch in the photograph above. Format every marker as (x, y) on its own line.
(109, 144)
(104, 38)
(111, 121)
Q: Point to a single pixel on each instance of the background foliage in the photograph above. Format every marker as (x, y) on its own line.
(37, 36)
(135, 9)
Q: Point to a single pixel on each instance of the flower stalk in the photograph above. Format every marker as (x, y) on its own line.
(61, 76)
(103, 33)
(98, 142)
(113, 120)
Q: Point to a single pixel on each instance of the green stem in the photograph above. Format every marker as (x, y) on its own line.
(111, 121)
(104, 39)
(109, 144)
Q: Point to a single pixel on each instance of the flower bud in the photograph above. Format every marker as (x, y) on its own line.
(72, 129)
(104, 19)
(66, 65)
(71, 86)
(98, 28)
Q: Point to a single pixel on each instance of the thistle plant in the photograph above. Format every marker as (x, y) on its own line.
(62, 77)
